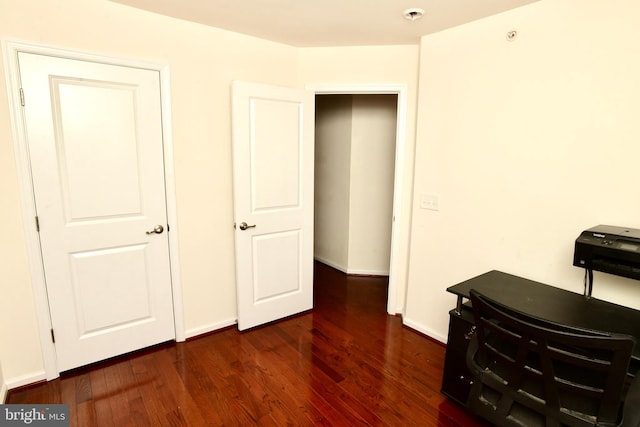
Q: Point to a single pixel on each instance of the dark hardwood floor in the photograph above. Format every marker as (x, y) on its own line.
(346, 363)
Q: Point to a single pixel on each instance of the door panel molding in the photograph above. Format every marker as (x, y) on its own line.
(27, 197)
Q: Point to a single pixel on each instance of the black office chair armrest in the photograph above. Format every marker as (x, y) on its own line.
(631, 412)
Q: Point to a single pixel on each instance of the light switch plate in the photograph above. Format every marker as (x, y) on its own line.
(429, 201)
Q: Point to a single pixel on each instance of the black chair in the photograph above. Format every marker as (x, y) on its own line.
(531, 372)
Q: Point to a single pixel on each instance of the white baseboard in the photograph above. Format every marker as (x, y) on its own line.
(331, 264)
(424, 330)
(3, 393)
(368, 272)
(191, 333)
(352, 271)
(28, 379)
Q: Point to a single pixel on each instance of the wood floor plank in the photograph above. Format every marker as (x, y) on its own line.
(345, 363)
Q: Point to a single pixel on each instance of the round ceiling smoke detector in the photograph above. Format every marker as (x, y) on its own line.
(413, 14)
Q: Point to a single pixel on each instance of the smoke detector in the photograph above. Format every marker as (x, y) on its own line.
(413, 14)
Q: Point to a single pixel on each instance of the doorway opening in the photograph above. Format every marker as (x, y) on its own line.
(358, 181)
(354, 169)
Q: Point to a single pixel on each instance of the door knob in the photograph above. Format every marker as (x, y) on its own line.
(158, 229)
(244, 226)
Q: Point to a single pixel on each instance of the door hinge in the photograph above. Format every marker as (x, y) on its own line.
(53, 337)
(21, 97)
(37, 224)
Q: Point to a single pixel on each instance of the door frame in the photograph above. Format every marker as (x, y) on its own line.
(27, 196)
(401, 124)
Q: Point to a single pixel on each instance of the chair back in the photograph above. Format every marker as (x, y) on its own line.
(531, 372)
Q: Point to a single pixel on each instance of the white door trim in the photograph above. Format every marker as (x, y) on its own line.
(401, 125)
(27, 197)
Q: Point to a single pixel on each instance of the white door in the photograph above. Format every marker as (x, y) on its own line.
(273, 131)
(95, 143)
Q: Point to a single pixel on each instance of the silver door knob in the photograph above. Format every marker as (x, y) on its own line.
(158, 229)
(244, 226)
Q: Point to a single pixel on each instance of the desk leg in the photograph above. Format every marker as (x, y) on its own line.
(456, 378)
(459, 305)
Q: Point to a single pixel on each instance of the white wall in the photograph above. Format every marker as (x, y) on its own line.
(203, 61)
(332, 179)
(355, 153)
(527, 143)
(373, 144)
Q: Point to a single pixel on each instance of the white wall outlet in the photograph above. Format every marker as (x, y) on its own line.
(429, 201)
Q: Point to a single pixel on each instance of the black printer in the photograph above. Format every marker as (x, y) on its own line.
(610, 249)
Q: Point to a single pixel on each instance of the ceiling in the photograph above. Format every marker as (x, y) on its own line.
(314, 23)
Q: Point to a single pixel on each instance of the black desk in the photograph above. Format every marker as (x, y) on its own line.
(535, 299)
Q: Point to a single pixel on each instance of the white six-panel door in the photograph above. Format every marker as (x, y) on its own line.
(273, 133)
(94, 133)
